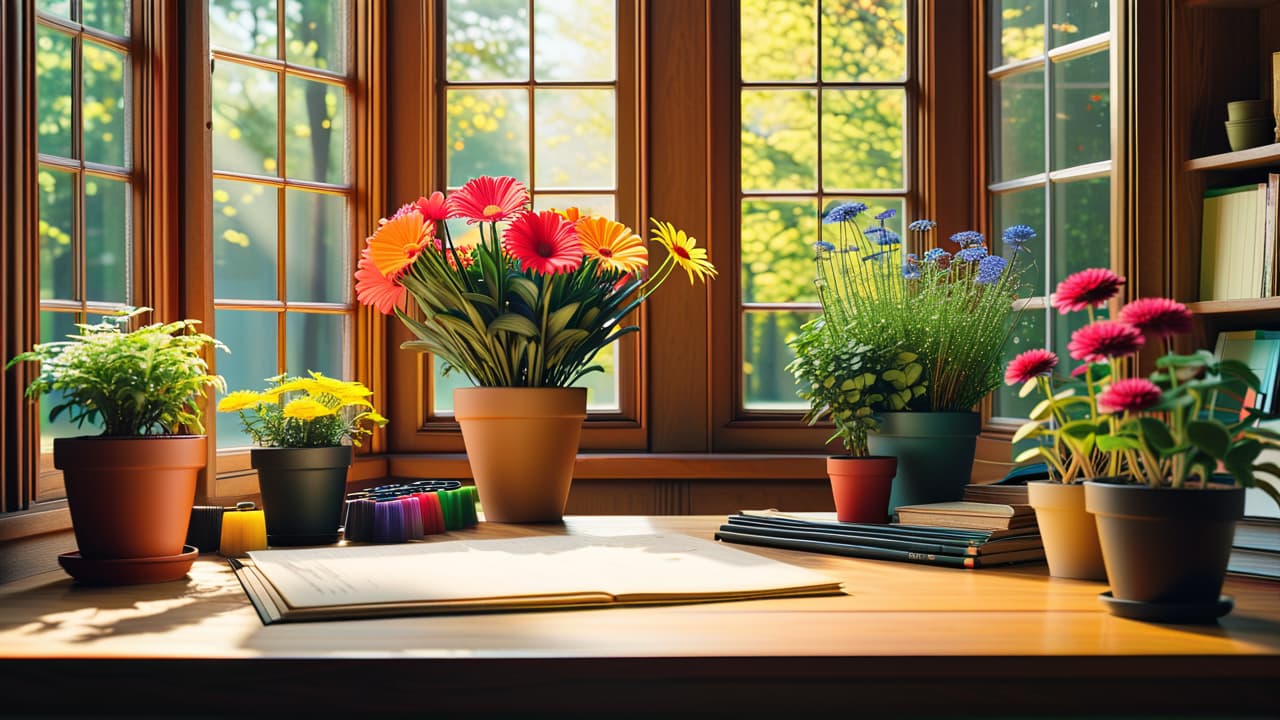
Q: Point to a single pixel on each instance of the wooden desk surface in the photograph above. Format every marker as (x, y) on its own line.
(906, 638)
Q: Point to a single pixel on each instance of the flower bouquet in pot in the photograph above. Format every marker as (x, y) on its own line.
(131, 488)
(952, 310)
(851, 384)
(522, 313)
(303, 429)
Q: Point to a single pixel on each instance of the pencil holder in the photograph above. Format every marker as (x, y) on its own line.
(243, 529)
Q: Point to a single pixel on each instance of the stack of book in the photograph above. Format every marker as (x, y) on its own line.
(1256, 550)
(932, 545)
(1000, 494)
(971, 515)
(1238, 241)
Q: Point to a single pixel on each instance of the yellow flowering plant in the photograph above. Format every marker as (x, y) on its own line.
(304, 412)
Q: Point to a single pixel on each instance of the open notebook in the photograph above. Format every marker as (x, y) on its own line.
(518, 574)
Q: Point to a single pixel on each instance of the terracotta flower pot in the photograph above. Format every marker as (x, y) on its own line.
(302, 492)
(130, 497)
(861, 487)
(522, 444)
(1069, 532)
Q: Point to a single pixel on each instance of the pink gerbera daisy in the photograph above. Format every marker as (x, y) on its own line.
(1030, 364)
(488, 199)
(1101, 341)
(374, 288)
(1129, 396)
(433, 209)
(1087, 288)
(544, 242)
(1161, 317)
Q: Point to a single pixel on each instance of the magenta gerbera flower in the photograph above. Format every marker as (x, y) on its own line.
(488, 199)
(1087, 288)
(1030, 364)
(1161, 317)
(1129, 396)
(544, 242)
(434, 208)
(1101, 341)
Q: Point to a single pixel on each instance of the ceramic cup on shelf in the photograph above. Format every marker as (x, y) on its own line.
(1248, 110)
(1245, 134)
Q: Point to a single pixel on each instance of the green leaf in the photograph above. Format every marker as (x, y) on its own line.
(525, 288)
(1210, 437)
(1079, 429)
(560, 319)
(1112, 443)
(1156, 434)
(1029, 454)
(1042, 410)
(1239, 371)
(1064, 394)
(515, 323)
(913, 372)
(1028, 387)
(1200, 357)
(1028, 430)
(896, 378)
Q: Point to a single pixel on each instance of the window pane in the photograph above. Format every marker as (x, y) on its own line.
(1078, 19)
(53, 92)
(602, 205)
(315, 342)
(779, 40)
(315, 123)
(862, 139)
(244, 240)
(1023, 207)
(1018, 146)
(779, 140)
(562, 51)
(602, 387)
(316, 33)
(106, 239)
(103, 111)
(247, 26)
(1019, 25)
(57, 218)
(487, 40)
(767, 385)
(245, 113)
(488, 134)
(1082, 111)
(317, 254)
(1028, 333)
(54, 7)
(574, 139)
(777, 250)
(1081, 239)
(864, 41)
(56, 326)
(253, 338)
(109, 15)
(443, 386)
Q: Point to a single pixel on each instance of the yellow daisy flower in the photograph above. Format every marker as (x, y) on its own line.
(241, 400)
(305, 408)
(613, 244)
(683, 251)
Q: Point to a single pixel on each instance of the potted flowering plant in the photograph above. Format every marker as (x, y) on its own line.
(851, 384)
(301, 427)
(130, 489)
(522, 314)
(952, 310)
(1171, 466)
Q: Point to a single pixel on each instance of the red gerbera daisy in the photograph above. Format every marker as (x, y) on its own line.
(1101, 341)
(374, 288)
(544, 242)
(1161, 317)
(1129, 395)
(433, 209)
(488, 199)
(1092, 287)
(1030, 364)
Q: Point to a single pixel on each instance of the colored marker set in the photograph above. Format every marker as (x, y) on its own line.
(230, 531)
(399, 513)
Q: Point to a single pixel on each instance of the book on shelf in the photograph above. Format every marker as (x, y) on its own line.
(969, 515)
(546, 572)
(1002, 494)
(1256, 549)
(1238, 241)
(821, 532)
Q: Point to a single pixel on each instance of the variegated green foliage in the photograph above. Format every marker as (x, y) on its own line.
(506, 328)
(851, 383)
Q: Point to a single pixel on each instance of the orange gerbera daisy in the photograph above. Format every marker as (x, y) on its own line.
(433, 209)
(682, 249)
(544, 242)
(572, 214)
(613, 244)
(397, 242)
(488, 199)
(374, 288)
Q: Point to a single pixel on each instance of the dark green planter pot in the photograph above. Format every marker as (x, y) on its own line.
(934, 451)
(302, 492)
(1166, 550)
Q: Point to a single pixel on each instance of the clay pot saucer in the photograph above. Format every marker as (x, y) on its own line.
(128, 571)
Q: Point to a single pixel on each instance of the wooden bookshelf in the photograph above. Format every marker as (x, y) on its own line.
(1224, 307)
(1257, 157)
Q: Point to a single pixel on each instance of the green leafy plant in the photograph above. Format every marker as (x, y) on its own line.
(305, 412)
(851, 382)
(147, 381)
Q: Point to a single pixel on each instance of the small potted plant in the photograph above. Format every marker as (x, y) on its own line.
(130, 489)
(851, 384)
(303, 429)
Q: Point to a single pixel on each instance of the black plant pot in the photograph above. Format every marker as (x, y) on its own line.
(302, 492)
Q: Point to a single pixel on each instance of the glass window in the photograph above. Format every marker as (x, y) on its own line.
(283, 233)
(823, 100)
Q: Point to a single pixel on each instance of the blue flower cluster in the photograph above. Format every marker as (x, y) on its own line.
(844, 213)
(937, 255)
(922, 226)
(971, 254)
(1016, 236)
(990, 269)
(968, 239)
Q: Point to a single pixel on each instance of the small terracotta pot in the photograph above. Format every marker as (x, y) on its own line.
(1069, 532)
(522, 444)
(861, 487)
(130, 497)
